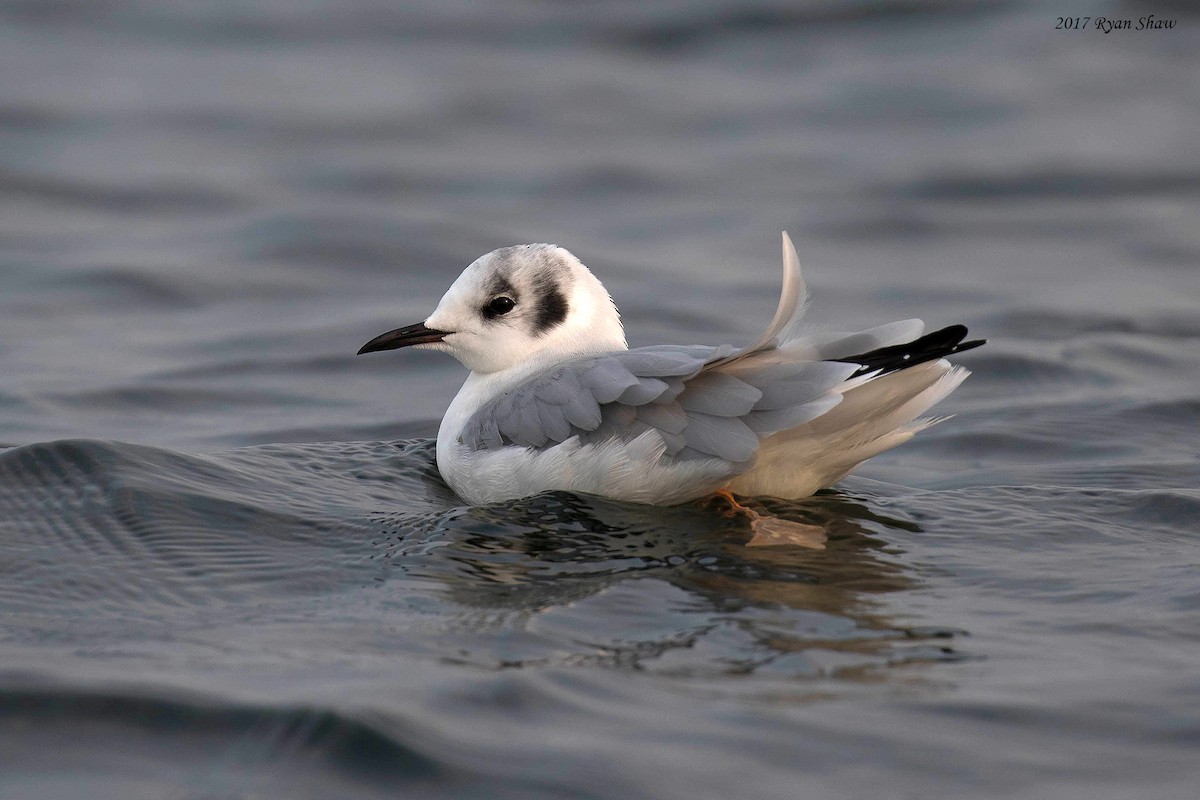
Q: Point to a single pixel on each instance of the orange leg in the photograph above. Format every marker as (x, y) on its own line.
(736, 507)
(774, 531)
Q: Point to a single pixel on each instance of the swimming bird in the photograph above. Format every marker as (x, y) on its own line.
(556, 400)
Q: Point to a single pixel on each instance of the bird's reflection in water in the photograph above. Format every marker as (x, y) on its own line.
(578, 569)
(561, 536)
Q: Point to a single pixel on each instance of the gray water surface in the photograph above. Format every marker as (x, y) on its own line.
(229, 569)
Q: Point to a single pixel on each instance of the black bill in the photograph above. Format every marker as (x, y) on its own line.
(403, 337)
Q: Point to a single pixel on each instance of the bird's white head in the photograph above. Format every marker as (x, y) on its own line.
(531, 304)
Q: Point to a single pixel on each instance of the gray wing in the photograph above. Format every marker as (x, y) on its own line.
(702, 402)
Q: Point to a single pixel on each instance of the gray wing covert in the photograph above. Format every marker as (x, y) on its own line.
(592, 397)
(700, 402)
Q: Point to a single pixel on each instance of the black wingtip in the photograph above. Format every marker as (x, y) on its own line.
(964, 346)
(930, 347)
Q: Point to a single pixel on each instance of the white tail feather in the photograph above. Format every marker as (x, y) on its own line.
(874, 416)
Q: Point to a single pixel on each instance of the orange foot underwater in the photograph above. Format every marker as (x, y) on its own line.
(769, 531)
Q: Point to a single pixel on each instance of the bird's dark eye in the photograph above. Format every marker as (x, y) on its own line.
(498, 306)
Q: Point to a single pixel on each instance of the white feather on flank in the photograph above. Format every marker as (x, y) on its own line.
(634, 471)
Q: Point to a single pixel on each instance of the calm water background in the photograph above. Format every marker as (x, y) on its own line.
(227, 565)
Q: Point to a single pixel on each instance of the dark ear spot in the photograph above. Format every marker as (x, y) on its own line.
(551, 305)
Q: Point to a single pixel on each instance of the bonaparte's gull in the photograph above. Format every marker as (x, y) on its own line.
(557, 400)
